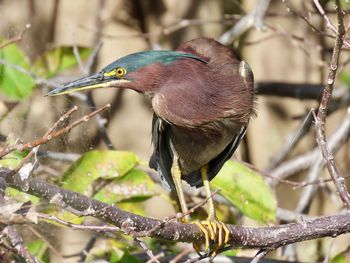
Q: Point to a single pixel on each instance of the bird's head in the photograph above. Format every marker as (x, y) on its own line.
(142, 71)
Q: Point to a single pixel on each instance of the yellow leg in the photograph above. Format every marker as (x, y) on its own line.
(211, 214)
(176, 174)
(213, 230)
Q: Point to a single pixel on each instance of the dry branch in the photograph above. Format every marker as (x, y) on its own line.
(247, 237)
(320, 119)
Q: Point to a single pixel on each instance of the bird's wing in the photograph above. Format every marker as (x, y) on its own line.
(162, 156)
(214, 166)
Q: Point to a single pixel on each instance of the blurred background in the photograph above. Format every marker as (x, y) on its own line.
(288, 49)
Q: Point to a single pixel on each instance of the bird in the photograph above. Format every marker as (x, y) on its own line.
(203, 99)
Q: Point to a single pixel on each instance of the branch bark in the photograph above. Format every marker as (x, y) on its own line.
(246, 237)
(320, 119)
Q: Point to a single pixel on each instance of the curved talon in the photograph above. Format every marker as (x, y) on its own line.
(211, 227)
(227, 233)
(215, 232)
(220, 244)
(196, 246)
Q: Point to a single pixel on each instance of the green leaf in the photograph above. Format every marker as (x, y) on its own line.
(134, 186)
(38, 248)
(98, 164)
(345, 78)
(21, 196)
(122, 256)
(57, 60)
(12, 159)
(14, 84)
(247, 191)
(342, 257)
(116, 250)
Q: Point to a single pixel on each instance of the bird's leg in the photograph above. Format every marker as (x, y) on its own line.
(213, 229)
(211, 214)
(176, 173)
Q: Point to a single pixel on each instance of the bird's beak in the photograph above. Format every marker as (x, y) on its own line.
(95, 81)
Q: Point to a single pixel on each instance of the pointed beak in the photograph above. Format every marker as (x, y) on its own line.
(95, 81)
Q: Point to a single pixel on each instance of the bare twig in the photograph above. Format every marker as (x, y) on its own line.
(322, 111)
(50, 131)
(329, 22)
(103, 228)
(318, 163)
(78, 57)
(17, 243)
(148, 251)
(254, 18)
(38, 80)
(306, 20)
(167, 30)
(48, 243)
(336, 140)
(261, 253)
(182, 254)
(16, 38)
(93, 58)
(167, 220)
(89, 245)
(52, 135)
(291, 142)
(88, 99)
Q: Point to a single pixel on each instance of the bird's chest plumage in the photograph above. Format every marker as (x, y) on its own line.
(193, 95)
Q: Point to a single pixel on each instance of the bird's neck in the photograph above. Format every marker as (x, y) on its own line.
(149, 80)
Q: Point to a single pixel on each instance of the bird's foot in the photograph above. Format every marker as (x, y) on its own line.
(216, 235)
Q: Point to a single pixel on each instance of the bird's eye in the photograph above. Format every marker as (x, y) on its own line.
(120, 72)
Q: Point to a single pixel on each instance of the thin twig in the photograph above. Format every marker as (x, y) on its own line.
(38, 80)
(88, 99)
(182, 254)
(148, 251)
(45, 139)
(261, 253)
(16, 38)
(89, 245)
(47, 242)
(103, 228)
(320, 119)
(301, 162)
(329, 22)
(291, 142)
(78, 57)
(51, 130)
(167, 220)
(254, 18)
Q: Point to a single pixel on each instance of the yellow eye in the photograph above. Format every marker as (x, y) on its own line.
(120, 72)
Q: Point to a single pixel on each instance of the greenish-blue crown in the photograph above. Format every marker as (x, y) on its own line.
(138, 60)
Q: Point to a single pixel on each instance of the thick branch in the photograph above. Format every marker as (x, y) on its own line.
(247, 237)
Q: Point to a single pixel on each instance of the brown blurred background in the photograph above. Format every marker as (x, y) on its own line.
(126, 26)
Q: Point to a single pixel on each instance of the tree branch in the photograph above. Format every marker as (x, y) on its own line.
(241, 236)
(253, 18)
(320, 119)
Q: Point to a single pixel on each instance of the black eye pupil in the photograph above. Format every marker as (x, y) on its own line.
(120, 72)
